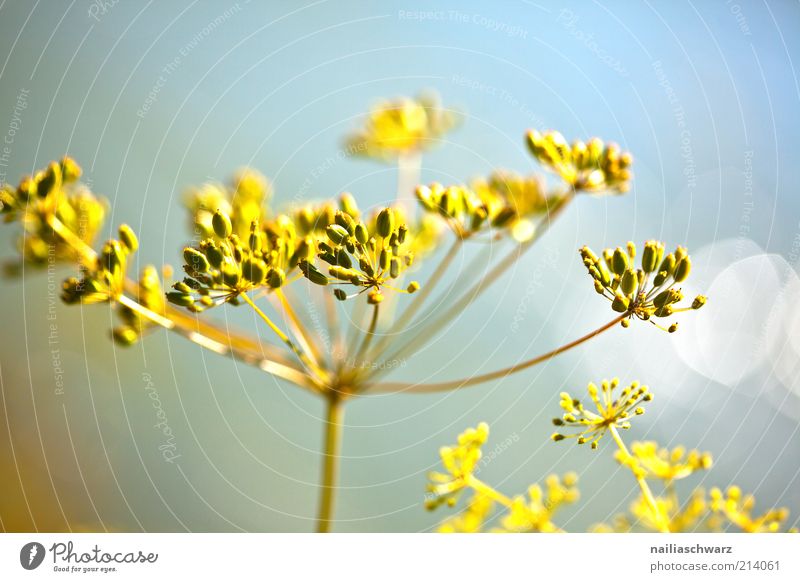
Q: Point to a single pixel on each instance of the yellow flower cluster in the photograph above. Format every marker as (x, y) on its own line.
(524, 514)
(631, 291)
(459, 461)
(612, 411)
(223, 267)
(647, 459)
(52, 193)
(505, 202)
(737, 508)
(592, 167)
(402, 126)
(366, 255)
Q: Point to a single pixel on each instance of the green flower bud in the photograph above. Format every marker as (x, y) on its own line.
(651, 257)
(394, 268)
(276, 277)
(128, 238)
(340, 294)
(629, 282)
(682, 269)
(619, 261)
(230, 275)
(215, 256)
(668, 264)
(254, 270)
(124, 336)
(362, 234)
(196, 260)
(699, 301)
(179, 298)
(337, 233)
(385, 222)
(222, 224)
(620, 303)
(312, 273)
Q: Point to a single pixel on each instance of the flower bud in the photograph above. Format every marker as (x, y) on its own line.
(221, 223)
(337, 233)
(682, 269)
(619, 261)
(385, 222)
(128, 238)
(699, 301)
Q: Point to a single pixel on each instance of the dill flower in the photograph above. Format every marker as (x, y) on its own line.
(503, 203)
(460, 461)
(646, 459)
(402, 126)
(689, 517)
(221, 268)
(52, 193)
(644, 293)
(738, 509)
(519, 197)
(592, 167)
(105, 280)
(613, 411)
(535, 513)
(366, 255)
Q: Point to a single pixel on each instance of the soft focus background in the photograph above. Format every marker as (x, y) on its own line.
(154, 97)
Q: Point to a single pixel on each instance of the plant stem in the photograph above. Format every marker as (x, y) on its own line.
(490, 492)
(275, 368)
(330, 461)
(285, 338)
(662, 523)
(300, 330)
(471, 381)
(367, 338)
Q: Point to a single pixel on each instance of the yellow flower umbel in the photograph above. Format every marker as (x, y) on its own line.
(50, 199)
(505, 202)
(401, 127)
(535, 514)
(514, 200)
(459, 461)
(613, 411)
(738, 509)
(222, 268)
(644, 293)
(647, 459)
(592, 167)
(682, 518)
(366, 256)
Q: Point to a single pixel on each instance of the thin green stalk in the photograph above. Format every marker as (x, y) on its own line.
(330, 461)
(370, 333)
(662, 523)
(471, 381)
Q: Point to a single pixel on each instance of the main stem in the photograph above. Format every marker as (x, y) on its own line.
(646, 492)
(330, 461)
